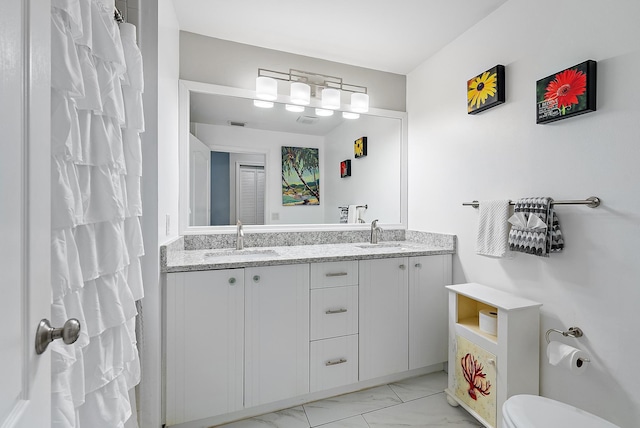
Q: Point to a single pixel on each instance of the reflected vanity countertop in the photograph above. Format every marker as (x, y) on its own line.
(176, 258)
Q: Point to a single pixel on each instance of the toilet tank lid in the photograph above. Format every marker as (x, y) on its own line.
(532, 411)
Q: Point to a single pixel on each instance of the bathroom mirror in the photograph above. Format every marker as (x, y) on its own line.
(231, 164)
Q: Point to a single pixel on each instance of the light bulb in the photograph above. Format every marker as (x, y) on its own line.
(349, 115)
(262, 104)
(331, 98)
(323, 112)
(266, 88)
(294, 108)
(359, 102)
(300, 93)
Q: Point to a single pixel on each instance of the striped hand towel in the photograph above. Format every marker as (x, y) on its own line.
(535, 228)
(492, 228)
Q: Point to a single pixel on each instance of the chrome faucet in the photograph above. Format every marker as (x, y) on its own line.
(239, 236)
(375, 230)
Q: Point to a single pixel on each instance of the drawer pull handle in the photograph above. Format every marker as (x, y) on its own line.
(333, 363)
(418, 265)
(336, 311)
(402, 267)
(331, 274)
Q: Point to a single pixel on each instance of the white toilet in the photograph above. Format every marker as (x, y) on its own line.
(532, 411)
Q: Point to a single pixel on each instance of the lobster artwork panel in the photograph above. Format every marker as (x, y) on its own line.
(475, 376)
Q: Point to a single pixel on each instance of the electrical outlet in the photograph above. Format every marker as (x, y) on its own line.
(168, 224)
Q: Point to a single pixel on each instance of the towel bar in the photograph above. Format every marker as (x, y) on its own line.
(591, 202)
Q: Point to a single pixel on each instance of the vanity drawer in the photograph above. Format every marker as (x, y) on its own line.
(334, 312)
(334, 274)
(333, 362)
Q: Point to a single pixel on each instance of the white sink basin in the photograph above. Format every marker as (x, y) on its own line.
(380, 245)
(251, 253)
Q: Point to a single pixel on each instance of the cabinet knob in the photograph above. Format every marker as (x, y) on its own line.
(232, 281)
(256, 278)
(402, 267)
(418, 265)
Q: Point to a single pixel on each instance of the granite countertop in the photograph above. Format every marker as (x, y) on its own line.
(178, 259)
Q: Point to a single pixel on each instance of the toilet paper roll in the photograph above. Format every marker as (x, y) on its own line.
(567, 357)
(488, 322)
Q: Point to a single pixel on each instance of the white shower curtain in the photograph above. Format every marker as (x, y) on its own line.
(96, 242)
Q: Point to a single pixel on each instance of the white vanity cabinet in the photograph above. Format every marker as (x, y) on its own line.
(384, 323)
(334, 324)
(204, 344)
(485, 369)
(276, 333)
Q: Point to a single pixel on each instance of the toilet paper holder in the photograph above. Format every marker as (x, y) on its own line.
(574, 332)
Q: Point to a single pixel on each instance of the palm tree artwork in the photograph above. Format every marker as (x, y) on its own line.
(300, 176)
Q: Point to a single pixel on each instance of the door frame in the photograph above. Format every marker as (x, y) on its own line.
(33, 405)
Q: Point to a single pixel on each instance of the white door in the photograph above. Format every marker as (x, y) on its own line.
(25, 391)
(200, 171)
(250, 193)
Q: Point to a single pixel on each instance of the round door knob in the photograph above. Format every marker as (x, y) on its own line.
(45, 334)
(232, 281)
(256, 278)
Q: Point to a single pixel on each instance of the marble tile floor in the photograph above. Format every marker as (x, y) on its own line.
(415, 402)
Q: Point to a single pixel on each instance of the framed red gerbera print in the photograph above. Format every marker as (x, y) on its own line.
(566, 93)
(486, 90)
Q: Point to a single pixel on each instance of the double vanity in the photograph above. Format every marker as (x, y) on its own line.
(298, 316)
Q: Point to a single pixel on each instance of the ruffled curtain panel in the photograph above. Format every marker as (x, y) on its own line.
(96, 242)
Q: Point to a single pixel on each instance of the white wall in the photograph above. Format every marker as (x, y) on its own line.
(271, 142)
(159, 42)
(501, 153)
(375, 178)
(168, 75)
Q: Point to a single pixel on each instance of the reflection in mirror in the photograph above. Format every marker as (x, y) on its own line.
(236, 173)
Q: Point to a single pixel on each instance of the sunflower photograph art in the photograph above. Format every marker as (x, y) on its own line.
(486, 90)
(360, 147)
(567, 93)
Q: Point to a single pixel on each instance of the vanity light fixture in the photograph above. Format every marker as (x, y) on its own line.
(305, 85)
(300, 93)
(360, 102)
(266, 88)
(350, 115)
(263, 104)
(331, 98)
(294, 108)
(324, 112)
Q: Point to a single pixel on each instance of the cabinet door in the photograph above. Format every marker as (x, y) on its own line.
(428, 339)
(277, 333)
(383, 329)
(475, 379)
(205, 330)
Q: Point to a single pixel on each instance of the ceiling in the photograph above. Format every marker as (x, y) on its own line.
(388, 35)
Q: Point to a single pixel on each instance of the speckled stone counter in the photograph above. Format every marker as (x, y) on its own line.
(210, 252)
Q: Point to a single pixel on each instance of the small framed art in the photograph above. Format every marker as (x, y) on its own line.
(360, 147)
(567, 93)
(486, 90)
(345, 168)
